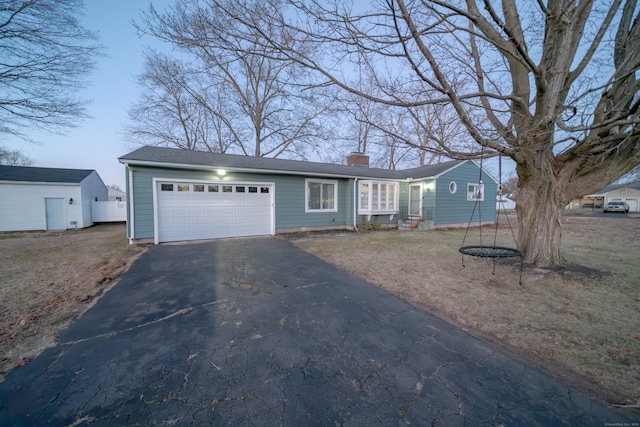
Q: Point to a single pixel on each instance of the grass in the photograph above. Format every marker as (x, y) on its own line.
(46, 279)
(581, 321)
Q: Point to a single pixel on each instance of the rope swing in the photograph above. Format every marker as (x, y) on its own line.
(484, 250)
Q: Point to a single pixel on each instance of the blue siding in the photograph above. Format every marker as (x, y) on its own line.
(438, 203)
(289, 196)
(290, 204)
(455, 208)
(404, 200)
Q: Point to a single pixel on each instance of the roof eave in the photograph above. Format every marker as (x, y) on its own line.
(39, 183)
(249, 170)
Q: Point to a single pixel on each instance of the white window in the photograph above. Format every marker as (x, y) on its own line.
(364, 197)
(378, 197)
(475, 192)
(321, 196)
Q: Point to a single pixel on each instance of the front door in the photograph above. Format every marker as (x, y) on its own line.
(55, 214)
(415, 200)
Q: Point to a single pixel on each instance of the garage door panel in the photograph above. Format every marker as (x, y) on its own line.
(212, 210)
(633, 204)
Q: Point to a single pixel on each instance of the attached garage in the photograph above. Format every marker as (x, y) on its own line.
(211, 210)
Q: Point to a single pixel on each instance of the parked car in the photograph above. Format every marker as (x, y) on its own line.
(616, 207)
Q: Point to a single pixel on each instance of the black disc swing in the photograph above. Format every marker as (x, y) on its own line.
(490, 251)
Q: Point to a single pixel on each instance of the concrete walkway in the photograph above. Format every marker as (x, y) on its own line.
(259, 332)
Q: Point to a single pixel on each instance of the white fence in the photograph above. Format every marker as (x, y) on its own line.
(111, 211)
(505, 203)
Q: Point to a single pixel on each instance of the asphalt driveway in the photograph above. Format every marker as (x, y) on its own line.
(259, 332)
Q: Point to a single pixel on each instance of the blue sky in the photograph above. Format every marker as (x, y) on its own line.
(97, 142)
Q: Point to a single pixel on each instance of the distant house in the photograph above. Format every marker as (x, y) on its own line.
(47, 198)
(116, 195)
(627, 192)
(175, 195)
(504, 202)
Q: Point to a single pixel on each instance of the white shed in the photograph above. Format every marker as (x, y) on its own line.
(48, 198)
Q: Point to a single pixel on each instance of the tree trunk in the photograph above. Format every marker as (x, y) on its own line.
(540, 205)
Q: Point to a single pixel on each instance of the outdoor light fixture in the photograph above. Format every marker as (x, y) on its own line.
(71, 201)
(221, 172)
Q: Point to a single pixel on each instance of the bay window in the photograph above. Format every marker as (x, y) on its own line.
(378, 197)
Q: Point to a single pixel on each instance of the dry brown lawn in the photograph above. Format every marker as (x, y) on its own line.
(581, 322)
(46, 279)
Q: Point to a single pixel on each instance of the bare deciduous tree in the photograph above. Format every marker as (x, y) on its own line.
(273, 108)
(45, 56)
(551, 84)
(14, 158)
(170, 111)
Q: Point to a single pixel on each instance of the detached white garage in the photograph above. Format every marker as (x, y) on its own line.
(629, 195)
(48, 198)
(186, 210)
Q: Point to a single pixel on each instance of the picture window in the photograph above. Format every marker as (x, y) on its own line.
(321, 196)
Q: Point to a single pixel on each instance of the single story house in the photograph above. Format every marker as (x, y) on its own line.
(47, 198)
(628, 192)
(176, 195)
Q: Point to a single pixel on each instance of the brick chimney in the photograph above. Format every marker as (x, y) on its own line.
(358, 159)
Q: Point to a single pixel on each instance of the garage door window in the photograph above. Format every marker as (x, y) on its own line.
(212, 188)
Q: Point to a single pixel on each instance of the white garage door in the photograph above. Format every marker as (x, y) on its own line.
(194, 211)
(633, 204)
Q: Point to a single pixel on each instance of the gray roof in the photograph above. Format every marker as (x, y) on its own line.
(634, 185)
(32, 174)
(168, 157)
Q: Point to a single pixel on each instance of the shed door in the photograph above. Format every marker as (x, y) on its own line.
(55, 214)
(195, 211)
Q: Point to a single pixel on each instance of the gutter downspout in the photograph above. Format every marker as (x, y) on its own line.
(355, 203)
(130, 197)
